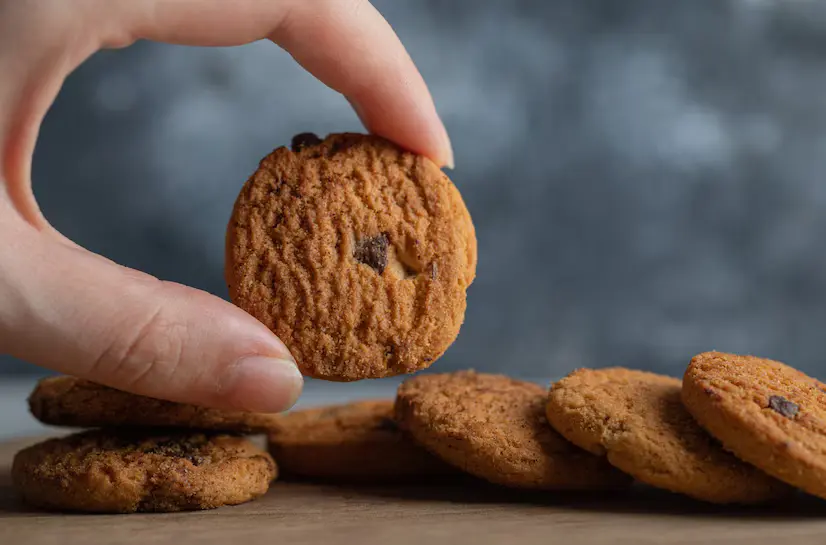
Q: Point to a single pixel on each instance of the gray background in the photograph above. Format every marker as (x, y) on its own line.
(645, 176)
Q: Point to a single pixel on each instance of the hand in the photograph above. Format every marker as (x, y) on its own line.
(67, 309)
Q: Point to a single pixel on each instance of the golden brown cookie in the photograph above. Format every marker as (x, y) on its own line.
(636, 420)
(355, 253)
(354, 442)
(494, 427)
(125, 472)
(78, 403)
(765, 412)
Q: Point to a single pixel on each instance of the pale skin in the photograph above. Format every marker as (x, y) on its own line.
(72, 311)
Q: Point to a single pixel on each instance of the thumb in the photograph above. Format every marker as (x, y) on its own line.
(75, 312)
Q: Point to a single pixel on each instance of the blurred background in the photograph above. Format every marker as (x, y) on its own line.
(645, 176)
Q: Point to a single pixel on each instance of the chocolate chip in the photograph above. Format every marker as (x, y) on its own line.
(342, 144)
(387, 424)
(372, 251)
(196, 460)
(781, 405)
(177, 448)
(304, 140)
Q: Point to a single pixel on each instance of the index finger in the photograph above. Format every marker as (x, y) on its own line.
(346, 44)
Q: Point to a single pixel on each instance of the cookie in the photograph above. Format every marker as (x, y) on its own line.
(765, 412)
(354, 442)
(494, 427)
(78, 403)
(124, 472)
(636, 420)
(355, 253)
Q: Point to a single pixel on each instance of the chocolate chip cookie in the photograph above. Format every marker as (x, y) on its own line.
(494, 427)
(636, 420)
(356, 253)
(78, 403)
(356, 442)
(125, 472)
(765, 412)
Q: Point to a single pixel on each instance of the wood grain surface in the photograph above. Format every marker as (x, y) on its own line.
(471, 513)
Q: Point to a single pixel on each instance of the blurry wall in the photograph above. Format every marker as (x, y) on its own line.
(645, 176)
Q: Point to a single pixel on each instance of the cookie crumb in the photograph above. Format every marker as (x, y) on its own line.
(781, 405)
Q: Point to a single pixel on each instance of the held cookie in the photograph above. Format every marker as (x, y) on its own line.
(78, 403)
(127, 472)
(354, 442)
(765, 412)
(636, 420)
(494, 427)
(355, 253)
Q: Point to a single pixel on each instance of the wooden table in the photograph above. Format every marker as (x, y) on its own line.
(477, 514)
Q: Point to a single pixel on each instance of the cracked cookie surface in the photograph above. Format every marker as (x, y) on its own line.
(766, 412)
(494, 427)
(637, 421)
(109, 471)
(355, 253)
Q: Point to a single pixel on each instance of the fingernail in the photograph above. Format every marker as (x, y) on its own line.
(449, 160)
(266, 385)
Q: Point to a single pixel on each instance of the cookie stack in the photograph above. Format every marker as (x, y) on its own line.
(358, 443)
(143, 454)
(638, 423)
(438, 428)
(736, 430)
